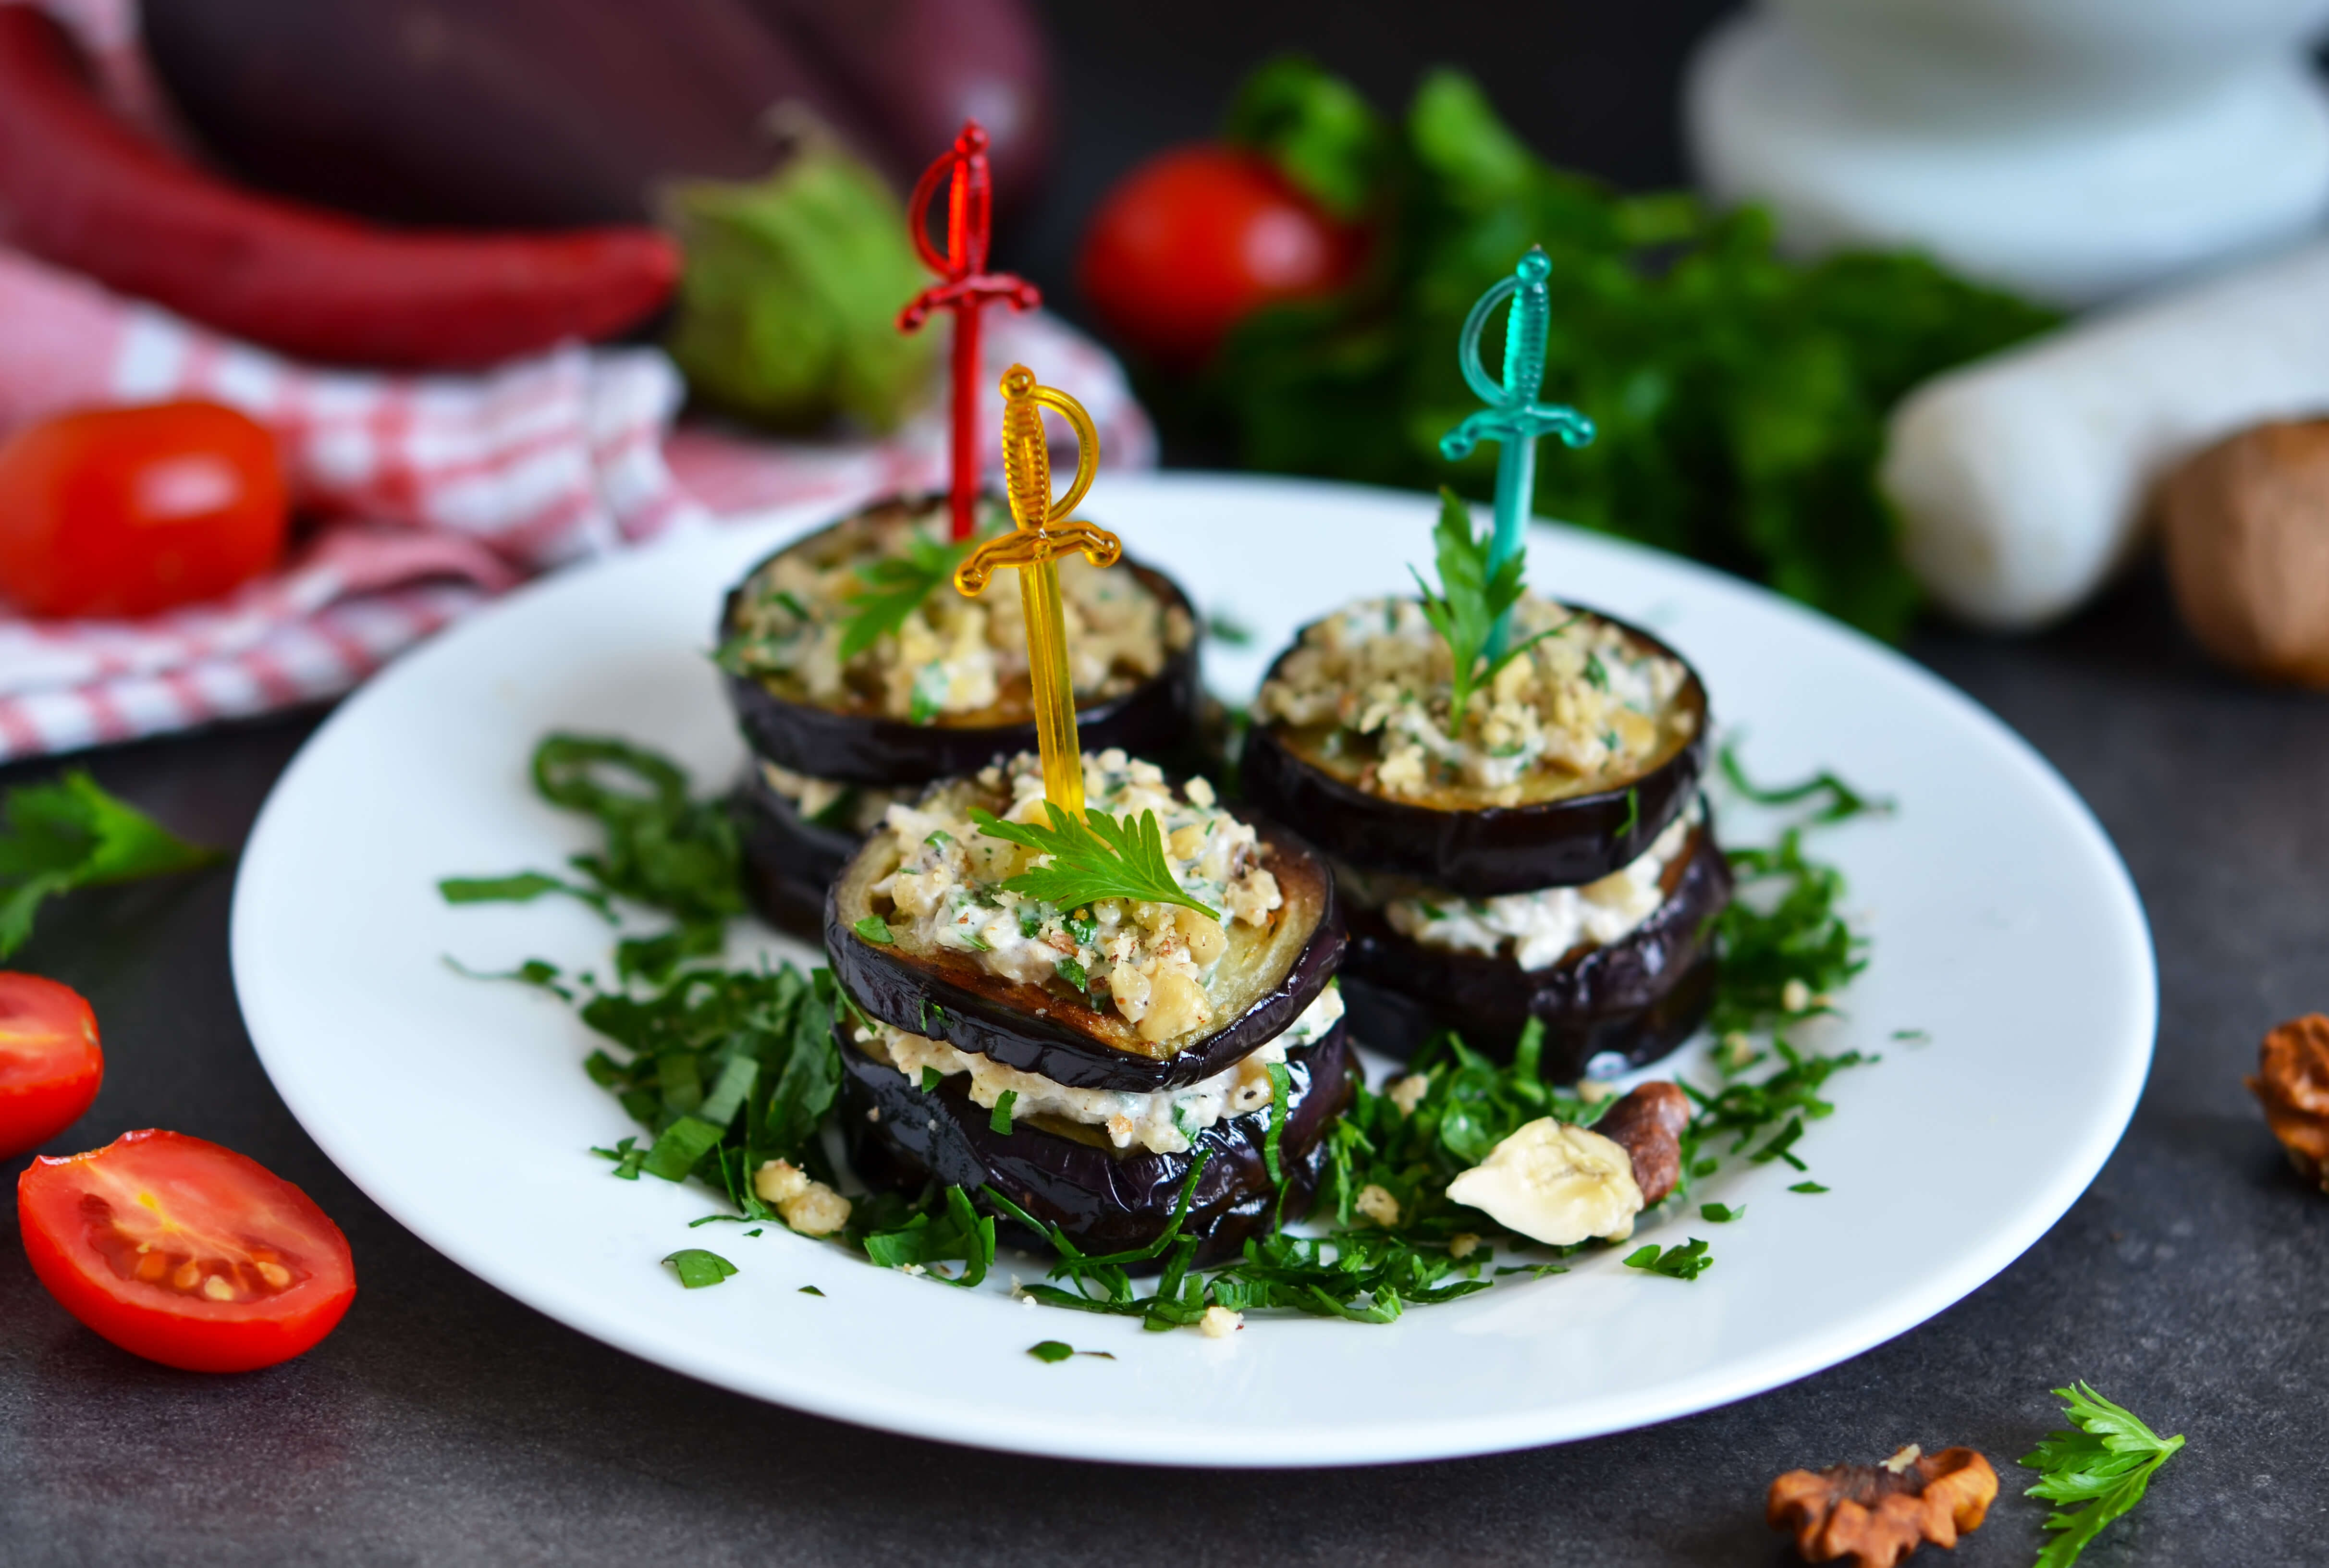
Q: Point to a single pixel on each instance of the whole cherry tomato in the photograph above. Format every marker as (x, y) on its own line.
(124, 512)
(185, 1253)
(50, 1063)
(1194, 240)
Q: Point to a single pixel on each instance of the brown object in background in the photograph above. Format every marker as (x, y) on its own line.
(2247, 528)
(1647, 1125)
(2292, 1084)
(1878, 1515)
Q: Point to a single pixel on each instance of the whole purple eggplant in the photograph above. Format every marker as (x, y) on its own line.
(554, 112)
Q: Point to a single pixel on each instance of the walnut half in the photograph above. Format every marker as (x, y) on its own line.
(1878, 1515)
(1647, 1125)
(2292, 1084)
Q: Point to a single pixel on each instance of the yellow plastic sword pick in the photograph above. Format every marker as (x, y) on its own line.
(1044, 533)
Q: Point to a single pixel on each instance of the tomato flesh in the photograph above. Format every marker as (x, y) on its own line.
(1195, 240)
(50, 1062)
(125, 512)
(185, 1253)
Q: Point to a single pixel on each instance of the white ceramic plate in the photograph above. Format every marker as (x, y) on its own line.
(2005, 926)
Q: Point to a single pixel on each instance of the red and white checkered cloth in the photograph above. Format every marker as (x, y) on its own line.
(438, 492)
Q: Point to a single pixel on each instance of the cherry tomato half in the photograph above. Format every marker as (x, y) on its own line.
(49, 1064)
(185, 1253)
(124, 512)
(1196, 238)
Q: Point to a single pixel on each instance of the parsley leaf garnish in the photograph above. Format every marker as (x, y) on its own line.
(893, 588)
(1098, 857)
(697, 1268)
(875, 929)
(2105, 1463)
(999, 1123)
(1687, 1260)
(1471, 600)
(68, 834)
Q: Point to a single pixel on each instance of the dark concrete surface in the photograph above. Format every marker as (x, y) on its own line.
(445, 1423)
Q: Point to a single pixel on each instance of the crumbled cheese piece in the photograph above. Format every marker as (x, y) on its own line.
(1462, 1245)
(1738, 1050)
(1376, 1203)
(1794, 996)
(1542, 926)
(1220, 1323)
(1408, 1092)
(802, 1202)
(1555, 1183)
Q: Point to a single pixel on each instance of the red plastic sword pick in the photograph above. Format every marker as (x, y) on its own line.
(964, 289)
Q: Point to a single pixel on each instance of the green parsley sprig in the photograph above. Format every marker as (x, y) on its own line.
(2105, 1463)
(895, 586)
(1470, 602)
(69, 833)
(1093, 858)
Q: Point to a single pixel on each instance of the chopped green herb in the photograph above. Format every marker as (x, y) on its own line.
(965, 937)
(1596, 675)
(1722, 1213)
(1000, 1122)
(1051, 1350)
(810, 1290)
(931, 1079)
(1807, 1187)
(893, 588)
(874, 929)
(680, 1147)
(1633, 811)
(1073, 973)
(1098, 857)
(697, 1268)
(1228, 630)
(1031, 924)
(68, 834)
(1915, 1036)
(1084, 928)
(933, 1017)
(1685, 1261)
(2105, 1463)
(522, 887)
(1842, 800)
(1281, 1091)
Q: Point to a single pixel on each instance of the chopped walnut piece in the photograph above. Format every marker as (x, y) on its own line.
(1878, 1515)
(1647, 1125)
(2292, 1082)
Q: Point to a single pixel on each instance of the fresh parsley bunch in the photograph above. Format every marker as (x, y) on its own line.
(1740, 397)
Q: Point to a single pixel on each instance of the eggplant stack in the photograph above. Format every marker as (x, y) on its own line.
(1539, 851)
(858, 678)
(1081, 1055)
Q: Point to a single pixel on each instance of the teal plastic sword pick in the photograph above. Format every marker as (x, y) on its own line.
(1514, 418)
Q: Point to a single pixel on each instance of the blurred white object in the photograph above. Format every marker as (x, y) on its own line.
(2069, 149)
(2022, 479)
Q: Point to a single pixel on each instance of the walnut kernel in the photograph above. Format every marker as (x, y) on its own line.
(2292, 1084)
(1647, 1125)
(1878, 1515)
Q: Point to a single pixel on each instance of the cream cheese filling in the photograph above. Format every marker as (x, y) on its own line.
(1545, 922)
(1163, 1121)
